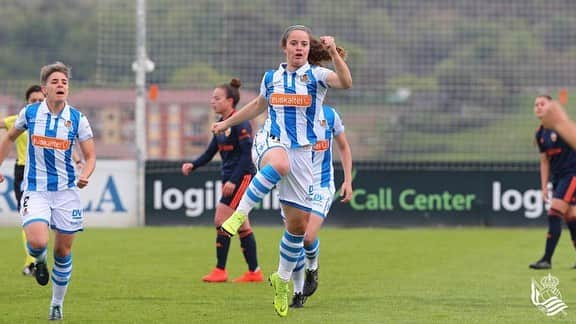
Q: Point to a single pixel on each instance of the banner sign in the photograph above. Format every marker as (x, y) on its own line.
(381, 198)
(109, 199)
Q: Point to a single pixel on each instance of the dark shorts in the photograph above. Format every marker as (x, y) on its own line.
(565, 189)
(233, 200)
(18, 177)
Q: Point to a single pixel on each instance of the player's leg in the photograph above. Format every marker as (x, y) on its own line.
(29, 261)
(35, 214)
(570, 219)
(294, 192)
(555, 216)
(312, 252)
(272, 161)
(298, 298)
(61, 272)
(248, 245)
(67, 219)
(219, 274)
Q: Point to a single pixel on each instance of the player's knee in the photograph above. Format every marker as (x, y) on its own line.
(37, 242)
(282, 166)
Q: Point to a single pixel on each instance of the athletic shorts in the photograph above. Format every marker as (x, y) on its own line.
(322, 199)
(233, 200)
(61, 210)
(294, 189)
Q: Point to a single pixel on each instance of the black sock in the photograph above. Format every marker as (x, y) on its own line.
(554, 231)
(222, 246)
(572, 227)
(248, 244)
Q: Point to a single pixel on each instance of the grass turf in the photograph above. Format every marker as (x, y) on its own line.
(152, 275)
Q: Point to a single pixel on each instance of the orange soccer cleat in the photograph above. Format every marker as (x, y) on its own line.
(251, 276)
(217, 275)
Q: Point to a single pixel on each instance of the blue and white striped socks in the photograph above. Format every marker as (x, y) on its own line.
(261, 184)
(312, 253)
(291, 247)
(60, 278)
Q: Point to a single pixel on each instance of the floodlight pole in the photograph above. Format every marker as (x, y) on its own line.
(140, 67)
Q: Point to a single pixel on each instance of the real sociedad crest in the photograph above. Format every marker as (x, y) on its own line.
(546, 296)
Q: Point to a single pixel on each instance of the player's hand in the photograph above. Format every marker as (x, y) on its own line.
(187, 168)
(219, 127)
(329, 44)
(228, 189)
(82, 182)
(552, 115)
(1, 178)
(346, 192)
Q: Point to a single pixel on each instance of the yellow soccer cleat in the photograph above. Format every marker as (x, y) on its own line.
(280, 294)
(233, 223)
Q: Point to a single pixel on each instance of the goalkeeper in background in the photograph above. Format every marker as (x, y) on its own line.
(237, 170)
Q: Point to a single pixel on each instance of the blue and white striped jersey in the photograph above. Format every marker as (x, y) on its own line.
(51, 140)
(326, 130)
(294, 101)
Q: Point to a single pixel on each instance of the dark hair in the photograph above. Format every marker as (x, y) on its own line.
(232, 90)
(32, 89)
(547, 96)
(317, 53)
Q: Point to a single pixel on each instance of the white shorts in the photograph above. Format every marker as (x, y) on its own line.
(322, 200)
(61, 210)
(294, 189)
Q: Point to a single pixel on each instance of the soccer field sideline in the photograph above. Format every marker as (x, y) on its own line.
(152, 274)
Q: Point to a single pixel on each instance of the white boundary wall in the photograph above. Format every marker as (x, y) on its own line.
(109, 199)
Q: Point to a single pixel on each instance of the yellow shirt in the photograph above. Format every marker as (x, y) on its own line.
(21, 142)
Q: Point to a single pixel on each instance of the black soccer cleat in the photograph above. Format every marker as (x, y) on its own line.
(310, 282)
(298, 300)
(42, 275)
(541, 265)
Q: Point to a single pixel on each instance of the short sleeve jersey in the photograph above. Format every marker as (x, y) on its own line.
(294, 102)
(51, 141)
(326, 130)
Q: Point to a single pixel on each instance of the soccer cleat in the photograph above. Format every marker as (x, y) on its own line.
(217, 275)
(310, 282)
(42, 275)
(29, 270)
(251, 276)
(298, 300)
(280, 294)
(233, 223)
(541, 265)
(55, 313)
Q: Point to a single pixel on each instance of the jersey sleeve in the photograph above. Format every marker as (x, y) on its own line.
(10, 120)
(21, 122)
(338, 125)
(84, 129)
(263, 86)
(208, 155)
(322, 74)
(244, 133)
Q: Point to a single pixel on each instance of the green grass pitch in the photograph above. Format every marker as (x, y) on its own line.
(152, 275)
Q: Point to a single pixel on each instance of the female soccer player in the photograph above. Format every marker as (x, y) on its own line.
(282, 150)
(237, 171)
(50, 198)
(306, 282)
(558, 162)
